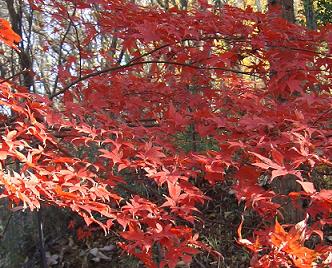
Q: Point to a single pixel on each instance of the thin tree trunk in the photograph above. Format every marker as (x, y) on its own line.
(15, 17)
(43, 259)
(287, 8)
(292, 212)
(309, 14)
(258, 5)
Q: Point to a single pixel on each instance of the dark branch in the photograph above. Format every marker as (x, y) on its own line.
(13, 76)
(117, 68)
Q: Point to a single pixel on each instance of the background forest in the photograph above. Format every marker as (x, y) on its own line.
(206, 114)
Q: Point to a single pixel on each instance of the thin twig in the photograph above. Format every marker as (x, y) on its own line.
(78, 45)
(43, 262)
(13, 76)
(321, 116)
(61, 48)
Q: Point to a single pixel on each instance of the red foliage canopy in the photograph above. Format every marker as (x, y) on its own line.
(255, 85)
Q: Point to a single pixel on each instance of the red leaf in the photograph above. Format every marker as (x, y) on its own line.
(7, 35)
(277, 156)
(308, 187)
(174, 190)
(245, 242)
(267, 163)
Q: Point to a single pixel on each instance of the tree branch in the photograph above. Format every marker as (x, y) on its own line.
(117, 68)
(61, 48)
(136, 61)
(13, 76)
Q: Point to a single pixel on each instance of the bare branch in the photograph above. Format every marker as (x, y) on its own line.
(13, 76)
(70, 24)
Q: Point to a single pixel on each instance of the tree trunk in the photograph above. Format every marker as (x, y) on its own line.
(309, 14)
(15, 17)
(287, 8)
(292, 212)
(258, 5)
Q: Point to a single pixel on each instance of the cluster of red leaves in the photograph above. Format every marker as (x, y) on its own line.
(180, 77)
(286, 249)
(7, 35)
